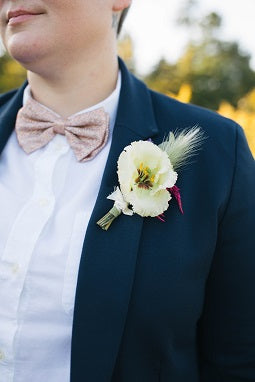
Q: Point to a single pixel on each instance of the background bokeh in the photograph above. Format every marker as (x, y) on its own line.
(197, 51)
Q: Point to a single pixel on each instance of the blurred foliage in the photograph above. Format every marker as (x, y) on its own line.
(216, 70)
(211, 72)
(244, 113)
(125, 51)
(12, 75)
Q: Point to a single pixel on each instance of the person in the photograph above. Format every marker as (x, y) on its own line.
(146, 300)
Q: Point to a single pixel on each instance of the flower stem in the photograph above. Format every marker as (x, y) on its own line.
(107, 219)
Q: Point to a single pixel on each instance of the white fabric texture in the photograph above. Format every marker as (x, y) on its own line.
(47, 198)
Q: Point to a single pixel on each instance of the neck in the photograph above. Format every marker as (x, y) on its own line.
(75, 86)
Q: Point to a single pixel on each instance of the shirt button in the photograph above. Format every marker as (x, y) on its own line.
(1, 355)
(15, 268)
(44, 202)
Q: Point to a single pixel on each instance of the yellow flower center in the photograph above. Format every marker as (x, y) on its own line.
(145, 178)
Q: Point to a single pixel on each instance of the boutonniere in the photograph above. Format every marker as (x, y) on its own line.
(147, 175)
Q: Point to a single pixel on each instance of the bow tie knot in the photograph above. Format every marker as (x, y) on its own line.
(86, 133)
(59, 127)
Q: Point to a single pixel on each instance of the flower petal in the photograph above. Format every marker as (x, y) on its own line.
(145, 204)
(120, 202)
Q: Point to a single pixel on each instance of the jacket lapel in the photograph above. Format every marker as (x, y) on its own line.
(8, 113)
(108, 259)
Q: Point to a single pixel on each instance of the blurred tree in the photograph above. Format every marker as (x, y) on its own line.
(247, 103)
(216, 70)
(188, 14)
(244, 114)
(184, 94)
(126, 51)
(12, 75)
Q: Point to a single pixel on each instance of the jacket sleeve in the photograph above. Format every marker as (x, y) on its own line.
(227, 326)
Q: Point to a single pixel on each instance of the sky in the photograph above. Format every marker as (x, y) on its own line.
(152, 26)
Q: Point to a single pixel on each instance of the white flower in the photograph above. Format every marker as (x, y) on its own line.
(145, 172)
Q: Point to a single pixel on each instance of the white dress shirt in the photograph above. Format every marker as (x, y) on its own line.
(47, 199)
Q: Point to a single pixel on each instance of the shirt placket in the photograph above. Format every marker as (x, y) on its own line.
(19, 248)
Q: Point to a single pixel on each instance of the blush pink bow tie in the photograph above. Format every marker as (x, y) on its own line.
(86, 133)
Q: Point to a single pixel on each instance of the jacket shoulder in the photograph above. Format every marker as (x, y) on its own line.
(222, 135)
(186, 115)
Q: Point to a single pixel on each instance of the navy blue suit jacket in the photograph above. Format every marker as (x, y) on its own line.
(171, 301)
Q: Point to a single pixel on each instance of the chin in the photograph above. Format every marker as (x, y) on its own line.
(25, 51)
